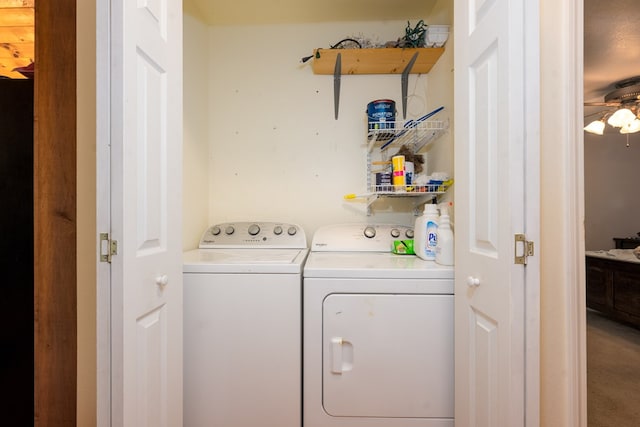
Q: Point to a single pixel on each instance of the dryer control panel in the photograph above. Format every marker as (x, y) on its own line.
(359, 237)
(267, 235)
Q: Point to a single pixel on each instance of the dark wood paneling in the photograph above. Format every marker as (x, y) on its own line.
(613, 288)
(55, 214)
(599, 290)
(626, 242)
(627, 292)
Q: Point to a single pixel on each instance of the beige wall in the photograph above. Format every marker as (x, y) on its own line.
(86, 213)
(440, 92)
(611, 188)
(196, 156)
(276, 151)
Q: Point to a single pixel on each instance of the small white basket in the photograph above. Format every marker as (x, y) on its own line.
(436, 35)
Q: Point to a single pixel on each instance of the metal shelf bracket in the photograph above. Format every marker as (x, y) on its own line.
(405, 84)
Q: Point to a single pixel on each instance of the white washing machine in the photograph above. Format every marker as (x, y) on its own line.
(378, 332)
(242, 326)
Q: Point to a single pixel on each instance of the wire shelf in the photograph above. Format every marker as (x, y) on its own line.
(409, 190)
(398, 133)
(414, 135)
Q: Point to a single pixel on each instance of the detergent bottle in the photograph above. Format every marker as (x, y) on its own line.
(426, 233)
(444, 249)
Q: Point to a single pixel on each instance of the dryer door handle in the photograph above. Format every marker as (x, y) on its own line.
(341, 355)
(336, 352)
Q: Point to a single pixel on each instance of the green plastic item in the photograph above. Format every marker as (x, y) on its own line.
(403, 247)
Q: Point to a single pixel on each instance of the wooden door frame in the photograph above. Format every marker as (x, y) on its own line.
(55, 222)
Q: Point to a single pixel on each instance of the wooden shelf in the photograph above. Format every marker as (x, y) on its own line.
(376, 61)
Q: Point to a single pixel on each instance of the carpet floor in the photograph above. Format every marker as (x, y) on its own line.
(613, 373)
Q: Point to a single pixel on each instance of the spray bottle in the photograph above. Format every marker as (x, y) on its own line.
(426, 233)
(444, 249)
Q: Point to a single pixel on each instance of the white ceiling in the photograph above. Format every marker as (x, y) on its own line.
(611, 45)
(224, 12)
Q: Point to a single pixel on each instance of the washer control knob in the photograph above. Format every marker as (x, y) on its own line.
(292, 231)
(215, 230)
(229, 230)
(369, 232)
(409, 233)
(277, 230)
(254, 229)
(395, 233)
(473, 281)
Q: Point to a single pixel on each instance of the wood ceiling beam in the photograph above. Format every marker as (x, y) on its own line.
(17, 17)
(17, 50)
(8, 64)
(17, 3)
(16, 35)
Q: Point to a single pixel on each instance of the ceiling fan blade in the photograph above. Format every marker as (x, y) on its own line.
(602, 104)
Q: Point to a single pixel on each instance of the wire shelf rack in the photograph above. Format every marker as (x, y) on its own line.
(414, 133)
(409, 190)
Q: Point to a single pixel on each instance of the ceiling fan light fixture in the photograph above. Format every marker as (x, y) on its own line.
(621, 105)
(632, 127)
(596, 127)
(621, 118)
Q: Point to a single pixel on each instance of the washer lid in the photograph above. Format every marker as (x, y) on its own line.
(375, 265)
(244, 260)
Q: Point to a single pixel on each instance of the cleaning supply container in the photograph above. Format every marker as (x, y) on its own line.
(444, 248)
(426, 233)
(381, 114)
(399, 180)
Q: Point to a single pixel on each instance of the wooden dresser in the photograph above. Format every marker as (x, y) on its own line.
(613, 288)
(627, 242)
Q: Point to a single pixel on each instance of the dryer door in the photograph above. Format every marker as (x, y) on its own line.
(388, 355)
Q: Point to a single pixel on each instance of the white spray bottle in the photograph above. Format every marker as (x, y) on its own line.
(444, 249)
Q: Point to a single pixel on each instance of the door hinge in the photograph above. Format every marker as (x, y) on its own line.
(108, 247)
(527, 249)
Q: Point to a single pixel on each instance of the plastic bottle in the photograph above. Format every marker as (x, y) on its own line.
(426, 233)
(444, 249)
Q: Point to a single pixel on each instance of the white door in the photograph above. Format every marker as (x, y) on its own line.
(145, 136)
(495, 89)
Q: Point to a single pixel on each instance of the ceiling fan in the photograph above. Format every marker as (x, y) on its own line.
(623, 111)
(627, 91)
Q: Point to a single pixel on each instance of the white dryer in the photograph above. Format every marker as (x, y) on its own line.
(378, 332)
(242, 326)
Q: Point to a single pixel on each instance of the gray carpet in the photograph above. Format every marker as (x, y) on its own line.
(613, 373)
